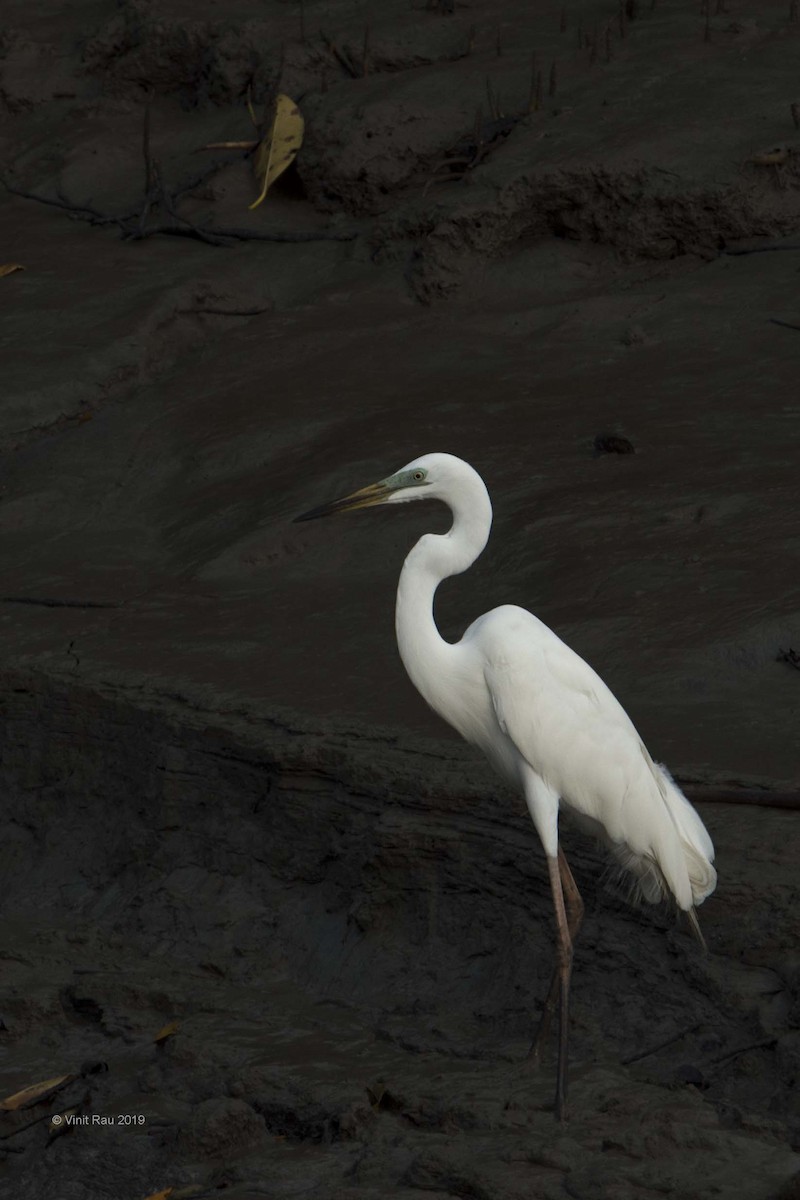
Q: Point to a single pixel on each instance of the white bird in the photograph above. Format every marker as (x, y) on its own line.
(543, 717)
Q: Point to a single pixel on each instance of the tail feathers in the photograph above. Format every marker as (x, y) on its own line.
(697, 847)
(678, 863)
(702, 876)
(644, 878)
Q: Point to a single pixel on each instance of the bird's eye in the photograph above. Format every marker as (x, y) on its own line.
(418, 475)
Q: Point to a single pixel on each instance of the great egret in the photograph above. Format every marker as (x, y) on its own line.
(544, 719)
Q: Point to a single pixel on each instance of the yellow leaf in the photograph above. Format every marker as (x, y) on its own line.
(280, 145)
(10, 268)
(775, 157)
(33, 1092)
(167, 1032)
(59, 1123)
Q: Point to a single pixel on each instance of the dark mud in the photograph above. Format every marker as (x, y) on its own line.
(345, 914)
(351, 929)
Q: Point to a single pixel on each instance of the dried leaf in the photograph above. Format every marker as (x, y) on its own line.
(35, 1091)
(774, 157)
(10, 268)
(164, 1194)
(166, 1033)
(280, 145)
(59, 1123)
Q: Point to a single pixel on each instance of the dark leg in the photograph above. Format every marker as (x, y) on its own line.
(564, 956)
(574, 908)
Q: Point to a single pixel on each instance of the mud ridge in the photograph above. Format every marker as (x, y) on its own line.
(632, 213)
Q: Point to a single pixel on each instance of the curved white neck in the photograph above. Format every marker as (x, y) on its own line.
(425, 653)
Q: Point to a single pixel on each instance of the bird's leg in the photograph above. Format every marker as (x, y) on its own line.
(565, 896)
(574, 910)
(564, 972)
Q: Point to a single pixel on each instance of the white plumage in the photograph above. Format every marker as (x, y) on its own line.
(542, 716)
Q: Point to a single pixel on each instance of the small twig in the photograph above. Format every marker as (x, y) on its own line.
(225, 312)
(785, 324)
(151, 198)
(260, 235)
(149, 166)
(532, 89)
(477, 129)
(365, 51)
(47, 602)
(66, 204)
(342, 58)
(186, 229)
(761, 250)
(249, 101)
(474, 148)
(764, 1044)
(491, 99)
(251, 145)
(676, 1037)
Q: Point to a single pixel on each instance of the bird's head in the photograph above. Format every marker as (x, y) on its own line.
(426, 478)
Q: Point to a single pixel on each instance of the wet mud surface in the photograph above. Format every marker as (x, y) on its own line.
(224, 805)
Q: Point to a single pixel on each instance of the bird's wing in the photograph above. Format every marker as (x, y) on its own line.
(562, 718)
(577, 737)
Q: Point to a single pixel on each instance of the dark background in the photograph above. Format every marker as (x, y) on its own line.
(224, 803)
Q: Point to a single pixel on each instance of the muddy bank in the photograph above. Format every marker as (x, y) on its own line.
(352, 930)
